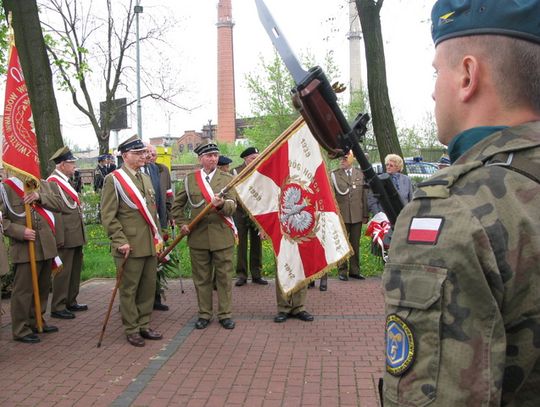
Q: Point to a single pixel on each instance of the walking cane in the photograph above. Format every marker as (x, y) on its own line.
(118, 279)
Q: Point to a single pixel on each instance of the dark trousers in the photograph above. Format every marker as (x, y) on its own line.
(247, 231)
(352, 266)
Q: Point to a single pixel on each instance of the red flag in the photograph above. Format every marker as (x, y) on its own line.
(20, 152)
(290, 198)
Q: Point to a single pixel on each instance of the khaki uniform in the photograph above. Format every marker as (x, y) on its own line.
(247, 231)
(211, 242)
(463, 277)
(351, 196)
(124, 224)
(294, 304)
(14, 223)
(71, 238)
(4, 264)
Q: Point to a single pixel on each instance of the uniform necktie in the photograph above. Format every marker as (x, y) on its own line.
(208, 179)
(139, 177)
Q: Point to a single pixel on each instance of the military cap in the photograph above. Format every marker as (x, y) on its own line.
(62, 154)
(248, 151)
(224, 160)
(206, 147)
(134, 143)
(102, 157)
(459, 18)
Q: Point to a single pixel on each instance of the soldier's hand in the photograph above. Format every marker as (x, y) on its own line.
(29, 234)
(31, 197)
(184, 230)
(218, 201)
(124, 249)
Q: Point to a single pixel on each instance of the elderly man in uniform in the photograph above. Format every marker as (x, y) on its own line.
(12, 206)
(351, 196)
(461, 283)
(247, 231)
(69, 225)
(211, 242)
(128, 213)
(223, 163)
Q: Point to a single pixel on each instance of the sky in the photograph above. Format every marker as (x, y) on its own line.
(310, 26)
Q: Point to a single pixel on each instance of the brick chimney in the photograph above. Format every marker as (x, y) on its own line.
(226, 125)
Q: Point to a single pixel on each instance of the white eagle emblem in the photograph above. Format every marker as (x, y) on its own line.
(293, 217)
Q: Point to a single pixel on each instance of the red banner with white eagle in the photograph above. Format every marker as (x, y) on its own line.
(290, 198)
(20, 151)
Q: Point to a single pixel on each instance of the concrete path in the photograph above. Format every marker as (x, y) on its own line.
(334, 361)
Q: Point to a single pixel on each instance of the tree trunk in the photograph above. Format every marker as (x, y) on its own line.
(379, 101)
(37, 72)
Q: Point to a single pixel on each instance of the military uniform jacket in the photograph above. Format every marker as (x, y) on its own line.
(69, 222)
(4, 265)
(351, 195)
(125, 224)
(461, 284)
(14, 224)
(211, 233)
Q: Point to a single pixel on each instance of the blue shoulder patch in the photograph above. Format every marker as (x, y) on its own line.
(400, 345)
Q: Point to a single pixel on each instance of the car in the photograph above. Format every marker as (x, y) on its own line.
(420, 169)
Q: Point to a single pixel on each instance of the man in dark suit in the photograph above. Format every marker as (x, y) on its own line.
(247, 231)
(211, 242)
(351, 196)
(70, 226)
(128, 213)
(152, 169)
(42, 233)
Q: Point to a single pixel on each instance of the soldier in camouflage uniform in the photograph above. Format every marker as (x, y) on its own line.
(461, 283)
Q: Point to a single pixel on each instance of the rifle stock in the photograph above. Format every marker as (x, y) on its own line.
(316, 101)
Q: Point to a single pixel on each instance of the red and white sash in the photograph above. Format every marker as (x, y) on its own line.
(208, 193)
(17, 186)
(135, 195)
(66, 187)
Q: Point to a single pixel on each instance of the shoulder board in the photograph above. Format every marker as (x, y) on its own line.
(440, 184)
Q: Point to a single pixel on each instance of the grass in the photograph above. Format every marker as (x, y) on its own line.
(98, 261)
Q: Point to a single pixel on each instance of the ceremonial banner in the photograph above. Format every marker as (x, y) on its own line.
(20, 152)
(289, 196)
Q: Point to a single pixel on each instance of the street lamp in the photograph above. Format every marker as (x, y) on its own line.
(137, 10)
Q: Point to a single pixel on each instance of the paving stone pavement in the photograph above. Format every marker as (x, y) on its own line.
(334, 361)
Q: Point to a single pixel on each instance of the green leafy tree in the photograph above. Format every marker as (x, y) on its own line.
(94, 47)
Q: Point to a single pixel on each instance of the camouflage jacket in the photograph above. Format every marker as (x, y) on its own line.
(462, 282)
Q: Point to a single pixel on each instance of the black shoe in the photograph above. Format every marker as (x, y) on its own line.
(77, 307)
(240, 282)
(260, 281)
(201, 323)
(323, 286)
(311, 284)
(304, 316)
(281, 317)
(343, 277)
(64, 314)
(160, 307)
(151, 334)
(47, 329)
(357, 276)
(30, 338)
(227, 323)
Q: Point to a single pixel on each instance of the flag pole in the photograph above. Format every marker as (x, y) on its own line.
(240, 177)
(32, 256)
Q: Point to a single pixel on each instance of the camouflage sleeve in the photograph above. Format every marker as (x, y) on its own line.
(461, 308)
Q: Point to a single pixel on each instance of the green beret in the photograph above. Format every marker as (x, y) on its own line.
(459, 18)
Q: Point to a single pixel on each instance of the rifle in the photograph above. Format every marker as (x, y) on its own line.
(316, 101)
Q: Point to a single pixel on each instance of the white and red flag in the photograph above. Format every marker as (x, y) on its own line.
(289, 196)
(20, 152)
